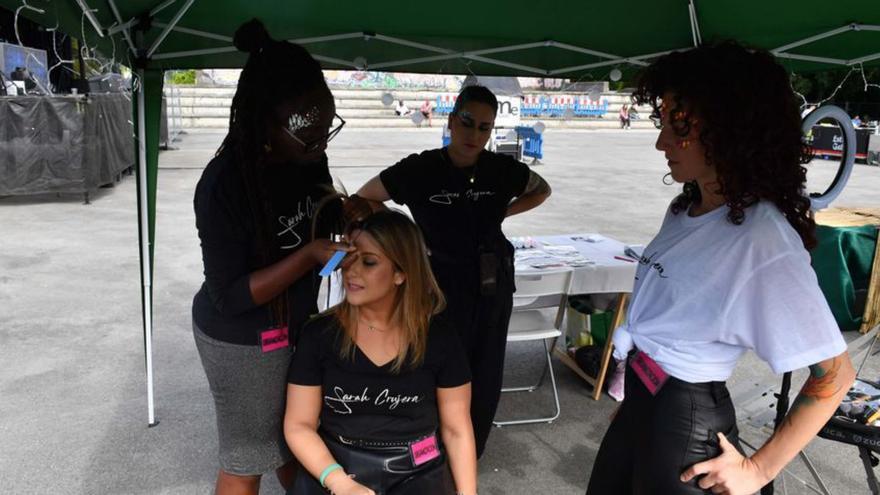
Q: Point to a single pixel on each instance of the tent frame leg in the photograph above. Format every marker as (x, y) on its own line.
(146, 268)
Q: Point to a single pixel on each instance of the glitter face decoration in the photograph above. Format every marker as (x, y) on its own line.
(299, 121)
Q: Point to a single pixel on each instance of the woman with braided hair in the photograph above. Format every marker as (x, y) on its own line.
(256, 208)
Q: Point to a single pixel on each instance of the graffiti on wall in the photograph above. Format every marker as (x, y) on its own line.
(391, 80)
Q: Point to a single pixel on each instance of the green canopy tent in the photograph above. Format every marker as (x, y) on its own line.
(564, 39)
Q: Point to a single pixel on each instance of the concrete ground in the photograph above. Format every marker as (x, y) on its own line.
(72, 385)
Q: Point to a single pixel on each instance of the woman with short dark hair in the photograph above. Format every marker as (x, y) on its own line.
(459, 196)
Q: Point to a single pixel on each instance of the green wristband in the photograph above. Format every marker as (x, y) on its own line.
(326, 472)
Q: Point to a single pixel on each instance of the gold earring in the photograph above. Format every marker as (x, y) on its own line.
(267, 148)
(683, 143)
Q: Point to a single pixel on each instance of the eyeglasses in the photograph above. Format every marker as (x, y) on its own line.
(337, 125)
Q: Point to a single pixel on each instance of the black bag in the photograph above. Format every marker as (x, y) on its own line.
(387, 469)
(589, 359)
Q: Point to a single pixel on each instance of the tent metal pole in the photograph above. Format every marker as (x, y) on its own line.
(866, 58)
(810, 58)
(492, 61)
(227, 49)
(615, 58)
(805, 41)
(189, 53)
(433, 58)
(155, 10)
(89, 13)
(332, 37)
(475, 55)
(695, 24)
(194, 32)
(637, 60)
(169, 27)
(338, 61)
(146, 268)
(125, 32)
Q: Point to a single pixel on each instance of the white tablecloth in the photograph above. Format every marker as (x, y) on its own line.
(590, 256)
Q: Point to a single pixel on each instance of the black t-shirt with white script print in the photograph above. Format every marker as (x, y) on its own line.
(362, 400)
(457, 208)
(224, 308)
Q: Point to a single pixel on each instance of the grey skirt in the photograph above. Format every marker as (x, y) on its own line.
(250, 391)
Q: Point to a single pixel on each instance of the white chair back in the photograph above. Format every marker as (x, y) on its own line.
(540, 290)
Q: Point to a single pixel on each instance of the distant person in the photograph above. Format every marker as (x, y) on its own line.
(426, 110)
(857, 121)
(623, 115)
(632, 114)
(402, 109)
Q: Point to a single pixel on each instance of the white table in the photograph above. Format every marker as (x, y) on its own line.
(602, 274)
(599, 266)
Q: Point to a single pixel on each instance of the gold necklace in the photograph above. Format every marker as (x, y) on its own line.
(372, 328)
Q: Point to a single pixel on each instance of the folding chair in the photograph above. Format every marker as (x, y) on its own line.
(538, 308)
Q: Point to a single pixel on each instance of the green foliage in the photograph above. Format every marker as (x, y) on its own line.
(183, 76)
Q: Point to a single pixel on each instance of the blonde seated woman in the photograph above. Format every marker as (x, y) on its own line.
(378, 399)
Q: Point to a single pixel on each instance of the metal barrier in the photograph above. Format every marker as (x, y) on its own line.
(532, 142)
(445, 104)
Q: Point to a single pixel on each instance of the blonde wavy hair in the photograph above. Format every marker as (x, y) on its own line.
(417, 299)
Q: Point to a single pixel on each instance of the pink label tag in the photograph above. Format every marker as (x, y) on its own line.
(273, 339)
(649, 372)
(424, 450)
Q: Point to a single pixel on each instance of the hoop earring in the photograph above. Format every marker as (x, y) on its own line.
(671, 180)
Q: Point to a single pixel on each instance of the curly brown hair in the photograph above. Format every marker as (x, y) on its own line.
(751, 127)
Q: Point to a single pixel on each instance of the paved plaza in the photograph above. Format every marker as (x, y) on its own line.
(72, 383)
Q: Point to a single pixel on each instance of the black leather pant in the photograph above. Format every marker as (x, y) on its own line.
(653, 439)
(481, 322)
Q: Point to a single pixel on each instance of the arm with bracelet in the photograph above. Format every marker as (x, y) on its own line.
(301, 433)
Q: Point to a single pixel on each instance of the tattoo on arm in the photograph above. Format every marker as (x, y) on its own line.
(820, 385)
(536, 185)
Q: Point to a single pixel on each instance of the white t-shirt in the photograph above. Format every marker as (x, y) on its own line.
(707, 290)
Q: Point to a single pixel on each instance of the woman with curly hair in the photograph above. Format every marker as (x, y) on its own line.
(728, 272)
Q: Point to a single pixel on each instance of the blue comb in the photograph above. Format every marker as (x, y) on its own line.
(332, 264)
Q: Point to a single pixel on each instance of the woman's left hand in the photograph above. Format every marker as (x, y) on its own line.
(730, 473)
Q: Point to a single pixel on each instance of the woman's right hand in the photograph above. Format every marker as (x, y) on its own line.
(345, 485)
(321, 250)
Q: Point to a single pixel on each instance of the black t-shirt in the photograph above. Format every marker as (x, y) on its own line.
(368, 402)
(455, 214)
(223, 308)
